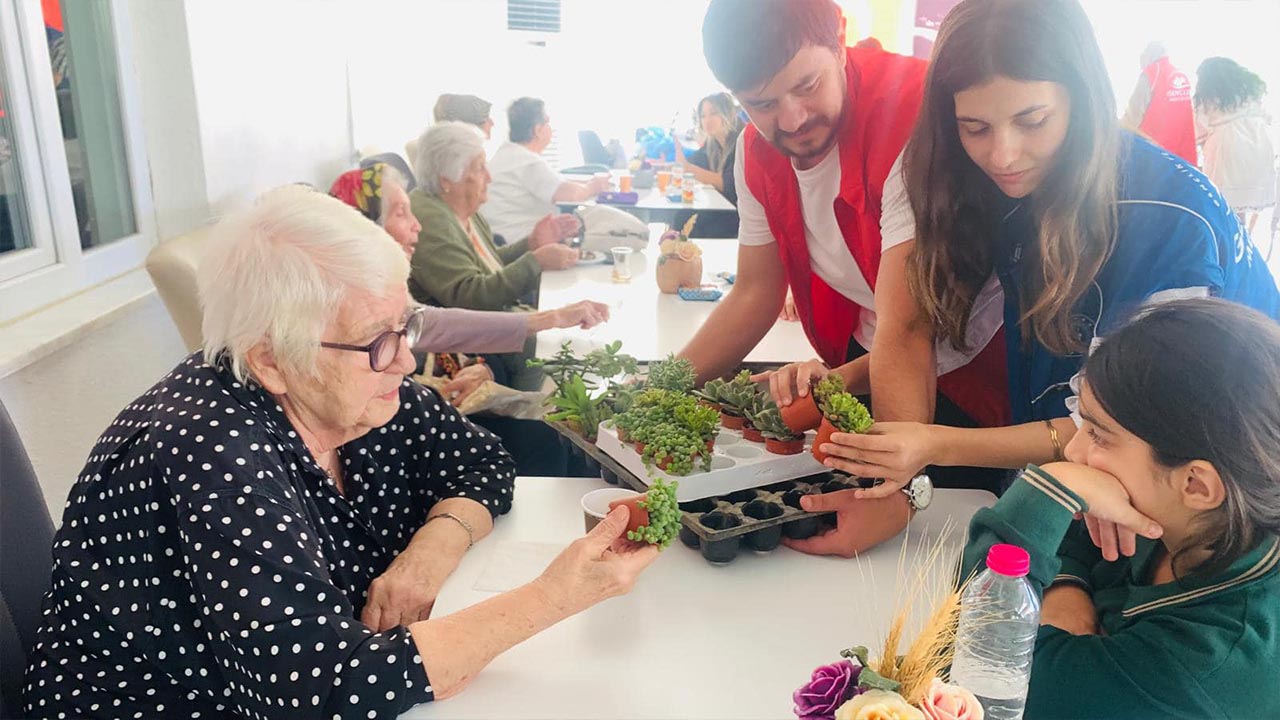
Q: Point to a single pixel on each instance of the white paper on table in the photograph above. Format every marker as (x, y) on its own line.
(513, 563)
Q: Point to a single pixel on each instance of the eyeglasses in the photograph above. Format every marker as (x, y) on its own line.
(384, 348)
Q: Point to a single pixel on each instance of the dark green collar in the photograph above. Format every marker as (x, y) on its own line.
(1255, 565)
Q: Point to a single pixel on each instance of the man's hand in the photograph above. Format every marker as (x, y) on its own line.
(860, 524)
(1070, 608)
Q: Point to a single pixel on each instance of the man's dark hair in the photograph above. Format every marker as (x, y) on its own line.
(746, 42)
(524, 116)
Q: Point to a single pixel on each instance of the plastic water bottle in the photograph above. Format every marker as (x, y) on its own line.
(999, 619)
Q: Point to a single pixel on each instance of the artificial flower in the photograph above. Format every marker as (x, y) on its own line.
(828, 688)
(950, 702)
(688, 251)
(878, 705)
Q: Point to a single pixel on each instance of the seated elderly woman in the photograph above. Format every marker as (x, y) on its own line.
(264, 531)
(377, 192)
(456, 263)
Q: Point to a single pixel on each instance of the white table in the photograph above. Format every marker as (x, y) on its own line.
(653, 206)
(701, 641)
(652, 324)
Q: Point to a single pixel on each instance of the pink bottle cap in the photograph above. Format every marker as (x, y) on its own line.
(1009, 560)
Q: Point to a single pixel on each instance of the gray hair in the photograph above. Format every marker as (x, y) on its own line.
(279, 270)
(390, 176)
(444, 151)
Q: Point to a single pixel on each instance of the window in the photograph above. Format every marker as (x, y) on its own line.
(541, 16)
(74, 200)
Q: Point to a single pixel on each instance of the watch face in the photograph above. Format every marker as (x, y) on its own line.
(921, 491)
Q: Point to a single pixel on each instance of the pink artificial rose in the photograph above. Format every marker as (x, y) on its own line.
(950, 702)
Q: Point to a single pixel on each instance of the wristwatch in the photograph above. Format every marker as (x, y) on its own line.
(919, 492)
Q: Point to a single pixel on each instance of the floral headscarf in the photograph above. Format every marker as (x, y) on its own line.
(362, 190)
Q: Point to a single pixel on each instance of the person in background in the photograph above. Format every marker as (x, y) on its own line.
(378, 193)
(525, 187)
(1160, 107)
(824, 212)
(456, 263)
(1018, 166)
(1232, 129)
(712, 164)
(269, 525)
(1180, 444)
(464, 108)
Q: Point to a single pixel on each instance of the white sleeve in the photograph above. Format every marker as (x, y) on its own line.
(897, 222)
(541, 180)
(1164, 296)
(753, 227)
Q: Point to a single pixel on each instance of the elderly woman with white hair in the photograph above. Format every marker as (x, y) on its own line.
(264, 531)
(457, 263)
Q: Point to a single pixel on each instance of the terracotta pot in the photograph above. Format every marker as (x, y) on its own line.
(622, 435)
(824, 434)
(639, 516)
(784, 447)
(640, 447)
(732, 422)
(713, 405)
(752, 434)
(802, 414)
(673, 273)
(711, 446)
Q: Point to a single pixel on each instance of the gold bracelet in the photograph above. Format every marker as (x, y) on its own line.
(1053, 438)
(471, 535)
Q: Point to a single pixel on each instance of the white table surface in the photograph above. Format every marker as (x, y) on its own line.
(656, 206)
(652, 324)
(692, 640)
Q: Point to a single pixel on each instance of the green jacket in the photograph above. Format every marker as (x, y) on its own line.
(446, 270)
(1200, 648)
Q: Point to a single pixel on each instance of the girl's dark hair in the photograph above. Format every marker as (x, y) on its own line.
(1224, 84)
(1200, 380)
(954, 202)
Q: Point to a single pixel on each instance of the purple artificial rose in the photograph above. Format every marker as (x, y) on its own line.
(829, 688)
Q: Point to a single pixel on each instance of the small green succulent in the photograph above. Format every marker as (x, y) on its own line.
(769, 422)
(827, 386)
(846, 413)
(676, 374)
(737, 395)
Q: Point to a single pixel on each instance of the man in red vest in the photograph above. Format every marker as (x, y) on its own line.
(824, 212)
(1160, 107)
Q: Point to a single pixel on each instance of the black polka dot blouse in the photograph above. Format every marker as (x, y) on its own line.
(207, 567)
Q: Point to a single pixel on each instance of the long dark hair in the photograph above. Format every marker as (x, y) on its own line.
(1200, 380)
(1224, 84)
(954, 201)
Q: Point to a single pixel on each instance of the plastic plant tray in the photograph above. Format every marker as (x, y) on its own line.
(737, 464)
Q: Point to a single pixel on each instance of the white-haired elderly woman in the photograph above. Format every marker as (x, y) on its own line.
(457, 263)
(263, 532)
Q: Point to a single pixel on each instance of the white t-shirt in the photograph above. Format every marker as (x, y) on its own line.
(521, 191)
(829, 255)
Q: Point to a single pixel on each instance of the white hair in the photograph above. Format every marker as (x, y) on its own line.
(279, 270)
(444, 151)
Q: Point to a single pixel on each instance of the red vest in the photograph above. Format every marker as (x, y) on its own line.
(884, 92)
(1169, 120)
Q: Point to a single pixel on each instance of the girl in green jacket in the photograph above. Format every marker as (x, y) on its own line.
(1179, 443)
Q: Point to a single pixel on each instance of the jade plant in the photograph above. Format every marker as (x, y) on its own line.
(664, 516)
(846, 413)
(676, 374)
(587, 388)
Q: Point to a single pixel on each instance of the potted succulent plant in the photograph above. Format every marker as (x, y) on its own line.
(702, 421)
(778, 438)
(655, 516)
(680, 262)
(674, 450)
(675, 374)
(709, 393)
(575, 407)
(759, 403)
(803, 413)
(736, 397)
(841, 412)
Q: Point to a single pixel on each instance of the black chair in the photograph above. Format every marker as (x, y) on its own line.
(26, 547)
(593, 150)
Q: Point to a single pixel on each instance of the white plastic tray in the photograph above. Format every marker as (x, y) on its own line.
(738, 464)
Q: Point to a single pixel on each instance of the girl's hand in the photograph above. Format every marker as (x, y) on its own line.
(791, 382)
(1111, 518)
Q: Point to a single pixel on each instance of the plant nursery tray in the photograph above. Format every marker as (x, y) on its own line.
(737, 464)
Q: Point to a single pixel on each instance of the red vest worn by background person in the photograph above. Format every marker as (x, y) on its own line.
(884, 92)
(1169, 120)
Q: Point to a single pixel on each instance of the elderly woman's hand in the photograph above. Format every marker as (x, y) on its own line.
(602, 565)
(556, 257)
(584, 314)
(553, 229)
(465, 382)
